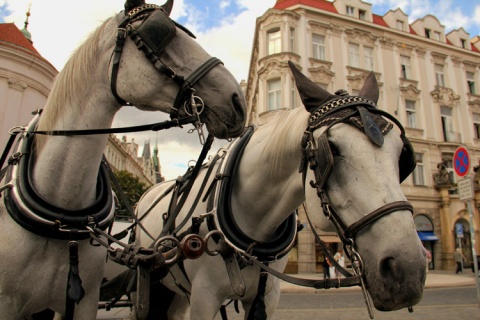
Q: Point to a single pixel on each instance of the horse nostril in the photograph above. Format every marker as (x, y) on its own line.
(388, 268)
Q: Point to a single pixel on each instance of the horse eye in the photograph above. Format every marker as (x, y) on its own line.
(334, 149)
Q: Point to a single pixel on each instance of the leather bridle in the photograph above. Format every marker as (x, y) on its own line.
(152, 36)
(317, 155)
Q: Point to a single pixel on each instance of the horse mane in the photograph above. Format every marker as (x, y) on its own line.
(67, 87)
(283, 142)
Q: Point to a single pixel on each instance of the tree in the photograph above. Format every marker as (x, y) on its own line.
(133, 189)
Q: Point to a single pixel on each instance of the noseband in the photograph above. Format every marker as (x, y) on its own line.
(152, 36)
(318, 155)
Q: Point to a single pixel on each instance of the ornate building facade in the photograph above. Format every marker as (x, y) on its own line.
(428, 79)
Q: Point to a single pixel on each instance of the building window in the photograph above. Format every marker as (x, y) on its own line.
(418, 174)
(410, 107)
(447, 124)
(436, 35)
(368, 58)
(293, 94)
(406, 67)
(354, 55)
(400, 25)
(318, 46)
(471, 82)
(362, 14)
(440, 75)
(274, 94)
(463, 43)
(274, 41)
(292, 40)
(427, 33)
(476, 125)
(350, 11)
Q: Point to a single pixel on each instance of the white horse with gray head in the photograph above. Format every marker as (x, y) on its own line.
(352, 162)
(53, 191)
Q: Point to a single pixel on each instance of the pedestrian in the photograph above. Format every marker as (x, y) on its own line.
(340, 260)
(326, 268)
(459, 257)
(429, 258)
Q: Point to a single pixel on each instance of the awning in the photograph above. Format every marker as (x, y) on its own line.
(330, 238)
(427, 236)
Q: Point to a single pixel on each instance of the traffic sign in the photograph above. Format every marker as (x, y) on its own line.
(461, 162)
(465, 189)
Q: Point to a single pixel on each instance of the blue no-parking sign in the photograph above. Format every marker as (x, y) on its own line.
(461, 162)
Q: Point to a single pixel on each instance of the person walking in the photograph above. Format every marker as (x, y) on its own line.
(459, 257)
(340, 260)
(326, 268)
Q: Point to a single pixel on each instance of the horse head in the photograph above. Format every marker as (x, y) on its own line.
(358, 161)
(157, 65)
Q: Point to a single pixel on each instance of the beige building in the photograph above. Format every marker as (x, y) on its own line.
(428, 78)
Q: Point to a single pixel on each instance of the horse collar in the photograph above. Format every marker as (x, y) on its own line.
(35, 214)
(224, 221)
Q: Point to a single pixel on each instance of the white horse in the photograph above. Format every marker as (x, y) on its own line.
(63, 170)
(356, 177)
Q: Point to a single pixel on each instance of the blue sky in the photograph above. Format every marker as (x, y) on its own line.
(223, 27)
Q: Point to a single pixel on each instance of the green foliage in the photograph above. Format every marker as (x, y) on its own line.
(133, 189)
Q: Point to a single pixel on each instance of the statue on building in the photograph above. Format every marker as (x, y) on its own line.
(441, 177)
(476, 177)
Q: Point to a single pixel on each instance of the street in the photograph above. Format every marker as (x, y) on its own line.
(437, 304)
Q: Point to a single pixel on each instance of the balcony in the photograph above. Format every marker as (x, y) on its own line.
(455, 137)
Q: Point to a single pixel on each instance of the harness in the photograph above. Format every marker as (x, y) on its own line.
(223, 221)
(152, 36)
(36, 215)
(318, 157)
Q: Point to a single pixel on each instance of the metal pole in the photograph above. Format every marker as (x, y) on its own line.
(474, 252)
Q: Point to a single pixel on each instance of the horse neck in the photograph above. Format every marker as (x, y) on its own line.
(268, 186)
(65, 169)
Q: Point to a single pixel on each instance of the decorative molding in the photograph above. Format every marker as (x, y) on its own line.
(445, 96)
(420, 51)
(474, 103)
(362, 36)
(356, 77)
(321, 74)
(17, 84)
(410, 92)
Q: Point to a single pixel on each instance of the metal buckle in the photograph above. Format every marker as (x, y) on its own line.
(195, 106)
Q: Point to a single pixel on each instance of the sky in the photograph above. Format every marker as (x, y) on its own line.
(223, 27)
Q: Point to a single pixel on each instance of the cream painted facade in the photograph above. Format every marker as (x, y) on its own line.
(25, 80)
(428, 79)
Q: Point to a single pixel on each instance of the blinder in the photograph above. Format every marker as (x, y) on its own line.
(325, 160)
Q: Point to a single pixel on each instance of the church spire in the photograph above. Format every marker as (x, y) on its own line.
(25, 31)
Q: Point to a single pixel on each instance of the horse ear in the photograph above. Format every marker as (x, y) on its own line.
(131, 4)
(370, 88)
(168, 7)
(311, 94)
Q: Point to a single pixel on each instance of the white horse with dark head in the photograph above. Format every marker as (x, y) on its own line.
(54, 191)
(352, 161)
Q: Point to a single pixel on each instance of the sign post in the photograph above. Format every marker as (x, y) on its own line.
(461, 165)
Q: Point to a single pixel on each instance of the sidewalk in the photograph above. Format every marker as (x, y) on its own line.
(435, 279)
